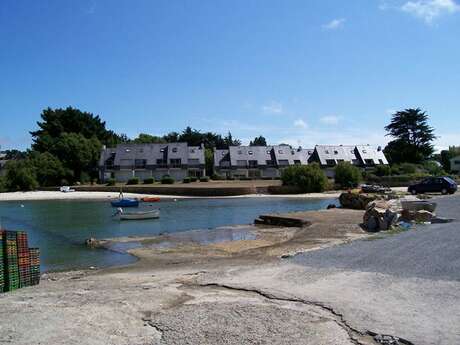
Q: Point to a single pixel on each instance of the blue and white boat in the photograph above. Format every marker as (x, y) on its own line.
(125, 203)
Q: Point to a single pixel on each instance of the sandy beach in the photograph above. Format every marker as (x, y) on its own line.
(56, 195)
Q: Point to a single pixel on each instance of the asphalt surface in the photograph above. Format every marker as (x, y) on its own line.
(430, 252)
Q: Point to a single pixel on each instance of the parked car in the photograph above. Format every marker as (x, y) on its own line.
(443, 185)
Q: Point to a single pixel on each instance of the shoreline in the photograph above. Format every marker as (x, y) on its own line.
(99, 196)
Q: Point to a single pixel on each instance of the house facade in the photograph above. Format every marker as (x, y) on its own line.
(257, 161)
(455, 165)
(126, 161)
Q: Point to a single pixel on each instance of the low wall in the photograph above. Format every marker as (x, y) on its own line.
(186, 191)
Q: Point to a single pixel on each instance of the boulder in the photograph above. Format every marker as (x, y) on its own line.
(356, 201)
(418, 205)
(420, 216)
(381, 215)
(91, 242)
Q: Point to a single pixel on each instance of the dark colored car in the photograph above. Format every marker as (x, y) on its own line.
(443, 185)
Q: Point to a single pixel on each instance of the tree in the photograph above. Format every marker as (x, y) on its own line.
(447, 155)
(229, 141)
(148, 139)
(258, 141)
(209, 161)
(308, 178)
(20, 175)
(49, 170)
(413, 137)
(347, 175)
(77, 153)
(14, 154)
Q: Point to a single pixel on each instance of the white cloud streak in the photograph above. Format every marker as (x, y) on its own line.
(299, 123)
(430, 10)
(331, 120)
(334, 24)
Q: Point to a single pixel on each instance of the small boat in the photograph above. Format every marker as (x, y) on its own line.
(152, 214)
(150, 199)
(66, 189)
(125, 203)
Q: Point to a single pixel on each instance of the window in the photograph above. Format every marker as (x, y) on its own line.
(280, 152)
(252, 164)
(140, 163)
(126, 162)
(336, 152)
(297, 162)
(268, 152)
(330, 162)
(293, 152)
(161, 162)
(162, 150)
(310, 152)
(340, 160)
(369, 161)
(192, 150)
(283, 162)
(128, 150)
(250, 152)
(240, 152)
(241, 163)
(327, 152)
(270, 163)
(364, 151)
(174, 149)
(176, 162)
(193, 161)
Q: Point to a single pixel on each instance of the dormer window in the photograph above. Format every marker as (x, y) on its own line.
(364, 151)
(292, 152)
(280, 151)
(192, 150)
(128, 150)
(162, 150)
(174, 149)
(268, 152)
(327, 152)
(310, 152)
(336, 152)
(250, 152)
(223, 153)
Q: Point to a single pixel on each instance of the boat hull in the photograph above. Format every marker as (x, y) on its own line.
(125, 203)
(150, 199)
(139, 215)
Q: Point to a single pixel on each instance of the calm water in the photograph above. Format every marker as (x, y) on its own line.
(59, 228)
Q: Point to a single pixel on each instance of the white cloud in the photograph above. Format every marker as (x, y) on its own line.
(330, 120)
(429, 10)
(273, 108)
(334, 24)
(299, 123)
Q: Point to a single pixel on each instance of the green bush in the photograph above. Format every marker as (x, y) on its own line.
(193, 179)
(433, 168)
(347, 175)
(2, 184)
(186, 180)
(167, 180)
(149, 180)
(134, 180)
(204, 179)
(382, 170)
(20, 175)
(408, 168)
(217, 177)
(111, 182)
(309, 178)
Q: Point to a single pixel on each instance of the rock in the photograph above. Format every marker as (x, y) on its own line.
(423, 216)
(381, 215)
(418, 205)
(91, 242)
(441, 220)
(331, 206)
(356, 201)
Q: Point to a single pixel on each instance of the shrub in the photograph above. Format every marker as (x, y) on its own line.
(347, 175)
(193, 179)
(20, 175)
(167, 180)
(134, 180)
(308, 178)
(149, 180)
(217, 177)
(2, 185)
(433, 168)
(186, 180)
(382, 170)
(408, 168)
(204, 179)
(111, 182)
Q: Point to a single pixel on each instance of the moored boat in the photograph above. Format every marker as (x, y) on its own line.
(150, 199)
(125, 203)
(152, 214)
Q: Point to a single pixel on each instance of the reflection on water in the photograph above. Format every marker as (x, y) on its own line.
(59, 228)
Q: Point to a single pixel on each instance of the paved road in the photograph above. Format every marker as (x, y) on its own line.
(431, 252)
(407, 285)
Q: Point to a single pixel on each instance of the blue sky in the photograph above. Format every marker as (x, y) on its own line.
(296, 71)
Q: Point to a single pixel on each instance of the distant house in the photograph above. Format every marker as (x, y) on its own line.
(359, 155)
(257, 161)
(126, 161)
(455, 164)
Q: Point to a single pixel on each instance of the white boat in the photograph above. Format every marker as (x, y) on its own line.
(137, 215)
(66, 189)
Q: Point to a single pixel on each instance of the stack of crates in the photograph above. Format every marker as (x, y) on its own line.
(23, 259)
(34, 259)
(2, 251)
(11, 264)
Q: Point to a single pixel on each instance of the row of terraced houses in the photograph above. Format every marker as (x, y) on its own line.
(180, 160)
